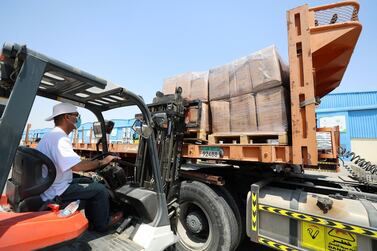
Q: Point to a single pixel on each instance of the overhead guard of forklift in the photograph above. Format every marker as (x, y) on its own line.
(69, 84)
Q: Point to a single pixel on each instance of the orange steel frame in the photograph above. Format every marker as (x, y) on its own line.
(318, 57)
(304, 148)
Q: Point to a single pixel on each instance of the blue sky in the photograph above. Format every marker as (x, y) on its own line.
(139, 43)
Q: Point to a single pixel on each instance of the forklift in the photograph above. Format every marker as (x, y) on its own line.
(26, 74)
(180, 192)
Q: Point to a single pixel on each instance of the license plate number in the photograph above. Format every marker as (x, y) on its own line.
(210, 152)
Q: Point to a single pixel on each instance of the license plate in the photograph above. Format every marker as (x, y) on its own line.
(210, 152)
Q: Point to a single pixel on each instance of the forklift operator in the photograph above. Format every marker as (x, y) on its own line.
(58, 147)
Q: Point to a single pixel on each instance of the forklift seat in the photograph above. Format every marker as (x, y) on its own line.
(27, 182)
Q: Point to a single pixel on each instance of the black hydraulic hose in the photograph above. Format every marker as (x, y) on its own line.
(357, 160)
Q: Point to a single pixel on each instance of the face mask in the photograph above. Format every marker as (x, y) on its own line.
(78, 122)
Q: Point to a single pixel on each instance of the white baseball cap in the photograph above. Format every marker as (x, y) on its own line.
(62, 108)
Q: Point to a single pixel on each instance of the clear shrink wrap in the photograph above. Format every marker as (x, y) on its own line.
(272, 110)
(199, 86)
(267, 69)
(259, 71)
(240, 78)
(218, 82)
(169, 85)
(204, 119)
(220, 114)
(194, 85)
(243, 116)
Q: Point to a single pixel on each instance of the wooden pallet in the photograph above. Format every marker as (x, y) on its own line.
(195, 135)
(272, 138)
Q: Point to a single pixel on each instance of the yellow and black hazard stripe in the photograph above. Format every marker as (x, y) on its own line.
(275, 244)
(372, 233)
(254, 213)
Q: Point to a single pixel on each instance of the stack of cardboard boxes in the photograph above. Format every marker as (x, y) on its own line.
(194, 87)
(245, 96)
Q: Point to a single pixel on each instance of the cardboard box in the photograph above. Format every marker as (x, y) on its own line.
(169, 85)
(259, 71)
(243, 115)
(240, 78)
(267, 69)
(199, 86)
(272, 110)
(194, 85)
(218, 82)
(204, 122)
(220, 114)
(182, 80)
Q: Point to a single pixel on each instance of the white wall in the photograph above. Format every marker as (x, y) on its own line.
(366, 148)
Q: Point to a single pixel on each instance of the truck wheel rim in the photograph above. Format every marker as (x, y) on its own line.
(194, 226)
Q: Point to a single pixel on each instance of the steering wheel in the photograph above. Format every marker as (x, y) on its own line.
(102, 156)
(121, 162)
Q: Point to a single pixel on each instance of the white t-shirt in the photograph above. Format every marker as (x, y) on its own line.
(58, 147)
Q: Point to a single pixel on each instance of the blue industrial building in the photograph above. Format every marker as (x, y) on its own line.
(356, 115)
(122, 132)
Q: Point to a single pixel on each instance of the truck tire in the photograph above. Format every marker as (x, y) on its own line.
(203, 223)
(236, 221)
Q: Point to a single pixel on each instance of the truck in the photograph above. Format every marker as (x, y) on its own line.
(184, 195)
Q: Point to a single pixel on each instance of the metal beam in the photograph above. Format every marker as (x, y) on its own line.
(304, 148)
(17, 112)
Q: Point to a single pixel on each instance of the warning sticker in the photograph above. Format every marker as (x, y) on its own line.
(340, 240)
(315, 237)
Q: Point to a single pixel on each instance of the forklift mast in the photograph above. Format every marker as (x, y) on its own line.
(168, 116)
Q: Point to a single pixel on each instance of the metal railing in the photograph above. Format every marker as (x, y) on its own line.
(336, 13)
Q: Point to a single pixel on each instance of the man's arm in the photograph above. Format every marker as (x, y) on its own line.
(90, 165)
